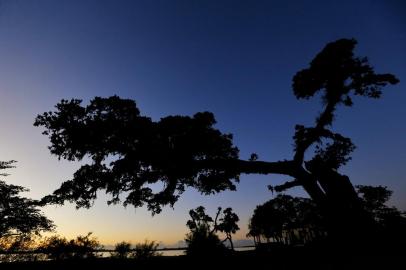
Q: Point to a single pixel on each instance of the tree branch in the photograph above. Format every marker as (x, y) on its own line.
(287, 185)
(215, 226)
(249, 167)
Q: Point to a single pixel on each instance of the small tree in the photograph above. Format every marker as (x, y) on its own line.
(84, 246)
(122, 250)
(146, 250)
(374, 199)
(389, 220)
(228, 224)
(19, 216)
(59, 248)
(202, 240)
(56, 247)
(254, 231)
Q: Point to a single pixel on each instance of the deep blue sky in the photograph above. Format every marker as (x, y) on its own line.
(234, 58)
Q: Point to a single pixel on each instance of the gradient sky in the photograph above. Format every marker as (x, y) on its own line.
(234, 58)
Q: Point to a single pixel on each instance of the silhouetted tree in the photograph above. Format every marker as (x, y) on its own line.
(374, 199)
(19, 216)
(84, 246)
(267, 221)
(228, 224)
(391, 221)
(146, 250)
(286, 220)
(59, 248)
(128, 151)
(122, 250)
(202, 240)
(254, 231)
(56, 248)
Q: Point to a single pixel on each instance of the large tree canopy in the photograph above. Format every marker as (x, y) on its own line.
(19, 215)
(129, 152)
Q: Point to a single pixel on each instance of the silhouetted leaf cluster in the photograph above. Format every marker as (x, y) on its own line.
(228, 224)
(129, 152)
(19, 216)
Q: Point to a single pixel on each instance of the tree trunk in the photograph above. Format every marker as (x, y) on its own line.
(231, 242)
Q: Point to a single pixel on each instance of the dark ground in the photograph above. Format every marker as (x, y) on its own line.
(297, 259)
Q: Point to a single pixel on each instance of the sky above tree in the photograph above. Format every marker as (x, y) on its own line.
(233, 58)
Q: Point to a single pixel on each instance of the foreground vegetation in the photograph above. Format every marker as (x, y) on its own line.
(289, 258)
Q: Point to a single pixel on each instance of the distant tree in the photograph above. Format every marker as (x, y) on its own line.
(146, 250)
(56, 248)
(128, 151)
(59, 248)
(254, 231)
(267, 221)
(20, 217)
(85, 246)
(122, 250)
(286, 220)
(390, 220)
(374, 199)
(228, 224)
(202, 240)
(15, 248)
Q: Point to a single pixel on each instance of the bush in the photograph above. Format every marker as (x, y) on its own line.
(122, 250)
(146, 250)
(202, 242)
(84, 246)
(56, 248)
(59, 248)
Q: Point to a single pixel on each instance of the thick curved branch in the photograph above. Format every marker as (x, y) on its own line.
(287, 185)
(249, 167)
(314, 134)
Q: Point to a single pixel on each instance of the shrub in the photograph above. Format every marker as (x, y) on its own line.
(146, 250)
(122, 250)
(84, 246)
(56, 248)
(203, 242)
(59, 248)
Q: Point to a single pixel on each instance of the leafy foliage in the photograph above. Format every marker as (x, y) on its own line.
(391, 222)
(228, 224)
(56, 248)
(202, 240)
(374, 200)
(122, 250)
(146, 250)
(59, 248)
(19, 215)
(129, 152)
(336, 71)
